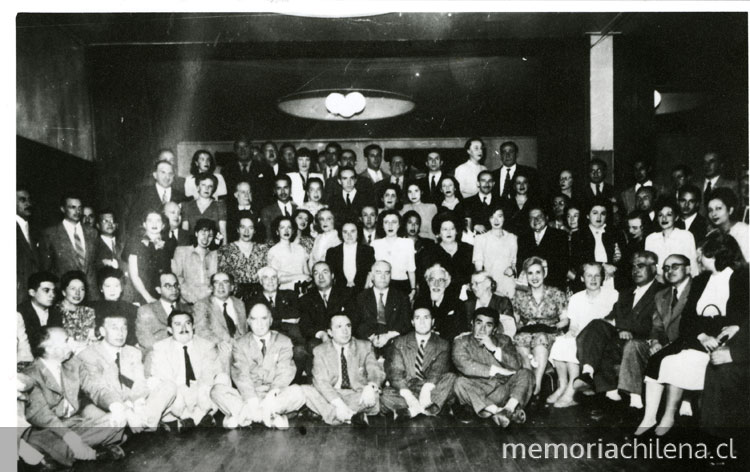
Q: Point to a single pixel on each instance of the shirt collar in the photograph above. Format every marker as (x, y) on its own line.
(326, 293)
(485, 198)
(689, 220)
(682, 285)
(39, 309)
(220, 303)
(712, 180)
(166, 305)
(266, 337)
(375, 173)
(21, 221)
(378, 292)
(422, 337)
(161, 189)
(71, 227)
(644, 288)
(53, 367)
(647, 183)
(112, 350)
(351, 194)
(511, 168)
(435, 174)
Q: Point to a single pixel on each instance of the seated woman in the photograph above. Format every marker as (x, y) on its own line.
(288, 258)
(450, 252)
(195, 265)
(495, 251)
(205, 206)
(484, 294)
(715, 308)
(671, 240)
(398, 251)
(313, 201)
(593, 303)
(110, 285)
(594, 242)
(305, 237)
(426, 211)
(243, 258)
(722, 213)
(78, 320)
(350, 262)
(539, 311)
(148, 258)
(301, 178)
(203, 162)
(327, 237)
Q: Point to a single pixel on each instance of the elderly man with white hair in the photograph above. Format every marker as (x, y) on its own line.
(443, 302)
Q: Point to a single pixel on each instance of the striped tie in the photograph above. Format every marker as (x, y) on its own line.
(78, 246)
(420, 359)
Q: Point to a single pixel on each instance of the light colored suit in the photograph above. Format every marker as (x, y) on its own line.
(59, 256)
(362, 368)
(193, 272)
(151, 324)
(57, 410)
(255, 375)
(210, 323)
(102, 384)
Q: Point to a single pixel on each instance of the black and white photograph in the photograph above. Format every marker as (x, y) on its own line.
(352, 237)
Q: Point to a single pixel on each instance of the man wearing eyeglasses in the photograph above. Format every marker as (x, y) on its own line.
(151, 322)
(621, 337)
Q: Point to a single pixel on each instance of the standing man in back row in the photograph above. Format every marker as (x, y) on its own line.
(507, 172)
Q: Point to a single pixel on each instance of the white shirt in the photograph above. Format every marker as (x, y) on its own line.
(647, 183)
(275, 168)
(350, 262)
(713, 181)
(689, 220)
(24, 225)
(594, 187)
(434, 175)
(167, 307)
(166, 197)
(266, 337)
(583, 309)
(539, 235)
(680, 241)
(600, 253)
(109, 241)
(72, 229)
(41, 313)
(325, 295)
(375, 175)
(377, 295)
(56, 371)
(230, 308)
(466, 175)
(351, 194)
(369, 236)
(681, 286)
(397, 180)
(639, 291)
(715, 293)
(287, 206)
(503, 172)
(332, 172)
(421, 338)
(486, 199)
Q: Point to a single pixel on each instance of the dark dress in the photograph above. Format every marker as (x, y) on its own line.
(459, 265)
(152, 262)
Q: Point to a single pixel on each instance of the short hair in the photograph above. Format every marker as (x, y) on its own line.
(653, 258)
(153, 211)
(487, 172)
(313, 180)
(312, 269)
(599, 162)
(304, 152)
(486, 274)
(39, 349)
(283, 177)
(194, 162)
(442, 217)
(240, 139)
(726, 196)
(107, 272)
(70, 196)
(598, 265)
(380, 229)
(207, 176)
(244, 215)
(70, 276)
(395, 188)
(266, 143)
(455, 184)
(204, 223)
(334, 315)
(380, 261)
(687, 170)
(667, 203)
(468, 142)
(598, 201)
(177, 313)
(287, 145)
(647, 188)
(538, 205)
(277, 224)
(693, 189)
(412, 214)
(158, 162)
(532, 261)
(511, 144)
(37, 278)
(370, 147)
(636, 215)
(106, 211)
(488, 312)
(723, 248)
(267, 271)
(683, 259)
(334, 145)
(342, 169)
(228, 274)
(437, 268)
(349, 221)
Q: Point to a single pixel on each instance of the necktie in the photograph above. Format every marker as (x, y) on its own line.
(432, 184)
(286, 210)
(330, 173)
(325, 300)
(189, 374)
(80, 251)
(164, 198)
(348, 199)
(598, 190)
(270, 301)
(674, 299)
(231, 327)
(304, 179)
(173, 235)
(124, 381)
(174, 307)
(345, 383)
(507, 184)
(707, 191)
(369, 238)
(420, 359)
(112, 244)
(484, 200)
(263, 348)
(381, 309)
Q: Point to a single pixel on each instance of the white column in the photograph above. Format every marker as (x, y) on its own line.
(601, 99)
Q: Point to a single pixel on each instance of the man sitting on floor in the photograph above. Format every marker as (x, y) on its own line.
(491, 378)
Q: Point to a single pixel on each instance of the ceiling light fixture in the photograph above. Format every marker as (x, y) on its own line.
(346, 104)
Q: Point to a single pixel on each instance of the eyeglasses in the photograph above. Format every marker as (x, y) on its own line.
(643, 265)
(675, 266)
(437, 281)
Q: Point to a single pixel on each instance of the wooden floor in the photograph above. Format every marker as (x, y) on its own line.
(424, 444)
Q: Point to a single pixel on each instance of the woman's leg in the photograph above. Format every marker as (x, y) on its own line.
(541, 354)
(562, 378)
(654, 391)
(566, 399)
(674, 395)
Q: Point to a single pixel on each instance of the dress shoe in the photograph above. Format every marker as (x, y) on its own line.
(584, 382)
(230, 422)
(464, 414)
(111, 453)
(518, 416)
(501, 419)
(360, 419)
(433, 410)
(183, 426)
(280, 422)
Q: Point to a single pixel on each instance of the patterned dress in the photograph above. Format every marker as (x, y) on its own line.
(546, 313)
(78, 323)
(243, 269)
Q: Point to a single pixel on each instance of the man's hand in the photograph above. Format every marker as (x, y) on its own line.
(500, 370)
(655, 347)
(225, 348)
(562, 323)
(480, 229)
(425, 395)
(728, 332)
(251, 412)
(488, 344)
(323, 336)
(117, 415)
(722, 355)
(411, 401)
(81, 450)
(509, 272)
(369, 397)
(626, 335)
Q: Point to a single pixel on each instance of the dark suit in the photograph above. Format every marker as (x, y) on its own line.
(600, 346)
(171, 243)
(501, 304)
(146, 198)
(430, 195)
(344, 211)
(365, 259)
(365, 310)
(479, 212)
(628, 200)
(587, 195)
(28, 261)
(269, 214)
(450, 315)
(104, 252)
(316, 314)
(61, 257)
(529, 172)
(401, 371)
(665, 326)
(32, 323)
(260, 177)
(553, 248)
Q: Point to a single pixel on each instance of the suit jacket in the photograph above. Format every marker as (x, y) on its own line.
(553, 248)
(103, 252)
(400, 362)
(362, 367)
(627, 197)
(365, 177)
(339, 207)
(183, 239)
(60, 256)
(145, 198)
(270, 213)
(608, 193)
(528, 171)
(32, 323)
(636, 319)
(365, 259)
(45, 407)
(450, 315)
(285, 306)
(365, 309)
(167, 361)
(479, 212)
(428, 196)
(151, 323)
(260, 177)
(584, 245)
(250, 369)
(666, 321)
(99, 376)
(28, 261)
(699, 228)
(316, 315)
(210, 323)
(473, 360)
(502, 305)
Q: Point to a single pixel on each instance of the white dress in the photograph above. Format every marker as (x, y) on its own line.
(399, 252)
(466, 176)
(582, 310)
(496, 254)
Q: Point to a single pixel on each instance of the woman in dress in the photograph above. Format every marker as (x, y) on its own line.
(519, 204)
(671, 240)
(78, 320)
(350, 262)
(203, 162)
(539, 310)
(303, 218)
(495, 251)
(110, 303)
(450, 252)
(722, 213)
(243, 258)
(302, 176)
(426, 211)
(450, 196)
(594, 242)
(327, 237)
(205, 206)
(148, 258)
(593, 303)
(313, 201)
(398, 251)
(287, 257)
(484, 294)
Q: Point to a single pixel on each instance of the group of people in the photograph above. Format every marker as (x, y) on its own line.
(286, 281)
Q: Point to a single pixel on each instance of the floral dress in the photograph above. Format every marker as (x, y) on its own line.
(243, 269)
(538, 319)
(79, 323)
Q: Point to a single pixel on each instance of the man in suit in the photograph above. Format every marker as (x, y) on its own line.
(346, 377)
(319, 304)
(368, 217)
(669, 302)
(65, 429)
(645, 198)
(713, 165)
(109, 250)
(151, 323)
(285, 313)
(194, 265)
(192, 364)
(271, 158)
(348, 201)
(398, 177)
(262, 370)
(282, 206)
(113, 377)
(71, 246)
(35, 310)
(220, 317)
(245, 169)
(166, 154)
(382, 314)
(642, 174)
(174, 235)
(332, 157)
(596, 186)
(491, 378)
(417, 368)
(148, 197)
(430, 184)
(243, 202)
(482, 205)
(636, 241)
(690, 201)
(363, 254)
(28, 260)
(621, 336)
(446, 309)
(548, 243)
(503, 177)
(373, 174)
(681, 175)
